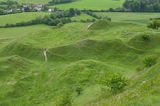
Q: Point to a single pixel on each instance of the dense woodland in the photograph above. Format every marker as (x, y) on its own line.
(142, 5)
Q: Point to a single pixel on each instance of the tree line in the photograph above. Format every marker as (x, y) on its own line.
(57, 18)
(142, 5)
(7, 5)
(59, 2)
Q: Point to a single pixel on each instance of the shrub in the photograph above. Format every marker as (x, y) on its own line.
(155, 24)
(78, 90)
(149, 61)
(60, 24)
(146, 37)
(117, 83)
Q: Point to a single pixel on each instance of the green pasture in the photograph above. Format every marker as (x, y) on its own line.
(92, 4)
(130, 17)
(20, 17)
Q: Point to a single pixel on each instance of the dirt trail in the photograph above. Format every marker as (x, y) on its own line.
(90, 25)
(45, 55)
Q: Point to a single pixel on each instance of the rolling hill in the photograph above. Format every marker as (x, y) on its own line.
(71, 65)
(76, 58)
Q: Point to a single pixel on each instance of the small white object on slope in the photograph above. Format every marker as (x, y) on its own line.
(90, 25)
(45, 55)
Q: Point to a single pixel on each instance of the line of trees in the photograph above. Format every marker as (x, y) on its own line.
(6, 6)
(58, 18)
(142, 5)
(59, 2)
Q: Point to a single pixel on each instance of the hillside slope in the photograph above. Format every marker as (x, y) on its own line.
(78, 58)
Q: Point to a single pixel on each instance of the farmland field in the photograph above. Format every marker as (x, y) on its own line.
(139, 18)
(92, 4)
(20, 17)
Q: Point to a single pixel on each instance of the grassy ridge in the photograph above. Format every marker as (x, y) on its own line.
(78, 56)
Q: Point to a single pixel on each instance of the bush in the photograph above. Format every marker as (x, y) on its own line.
(155, 24)
(146, 37)
(149, 61)
(117, 83)
(60, 25)
(78, 90)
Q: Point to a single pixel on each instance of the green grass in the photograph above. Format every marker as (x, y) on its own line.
(79, 55)
(138, 18)
(92, 4)
(20, 17)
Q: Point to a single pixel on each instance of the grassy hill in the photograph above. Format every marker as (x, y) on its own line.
(79, 55)
(70, 65)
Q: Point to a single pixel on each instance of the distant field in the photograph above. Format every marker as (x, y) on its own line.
(20, 17)
(31, 1)
(141, 18)
(92, 4)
